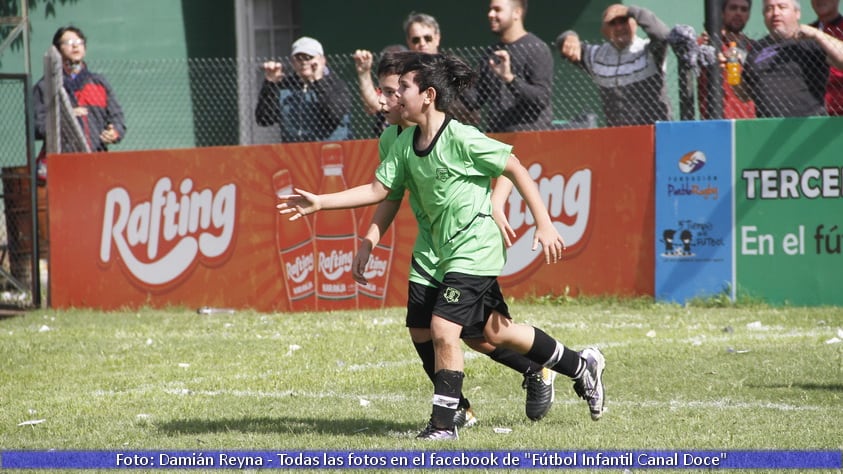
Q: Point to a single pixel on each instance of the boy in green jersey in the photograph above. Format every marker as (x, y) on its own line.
(449, 167)
(422, 287)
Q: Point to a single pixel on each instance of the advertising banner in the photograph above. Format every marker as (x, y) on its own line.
(198, 227)
(789, 210)
(693, 234)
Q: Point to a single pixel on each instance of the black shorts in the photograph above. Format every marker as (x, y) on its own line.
(468, 300)
(421, 300)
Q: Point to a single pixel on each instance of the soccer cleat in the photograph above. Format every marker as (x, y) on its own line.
(433, 433)
(465, 418)
(540, 393)
(589, 386)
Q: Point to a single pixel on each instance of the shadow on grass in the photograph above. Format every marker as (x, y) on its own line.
(831, 387)
(288, 425)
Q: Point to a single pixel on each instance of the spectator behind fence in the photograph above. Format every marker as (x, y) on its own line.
(422, 33)
(786, 72)
(830, 21)
(516, 74)
(312, 104)
(629, 71)
(735, 16)
(94, 104)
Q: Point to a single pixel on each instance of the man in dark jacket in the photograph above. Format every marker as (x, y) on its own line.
(312, 104)
(516, 76)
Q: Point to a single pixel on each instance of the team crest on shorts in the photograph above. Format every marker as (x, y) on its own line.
(442, 174)
(452, 295)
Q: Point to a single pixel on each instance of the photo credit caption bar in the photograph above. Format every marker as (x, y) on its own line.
(680, 459)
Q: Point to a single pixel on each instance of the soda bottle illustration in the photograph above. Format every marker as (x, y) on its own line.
(380, 262)
(294, 240)
(336, 239)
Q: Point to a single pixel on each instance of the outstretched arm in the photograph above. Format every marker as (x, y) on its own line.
(832, 46)
(546, 233)
(305, 203)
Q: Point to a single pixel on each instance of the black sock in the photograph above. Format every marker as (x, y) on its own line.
(446, 389)
(552, 354)
(428, 358)
(514, 361)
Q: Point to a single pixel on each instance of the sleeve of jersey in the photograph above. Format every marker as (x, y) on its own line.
(488, 155)
(391, 173)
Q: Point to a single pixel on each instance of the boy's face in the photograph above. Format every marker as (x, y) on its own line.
(411, 100)
(388, 99)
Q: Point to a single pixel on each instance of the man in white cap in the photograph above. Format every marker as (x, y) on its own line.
(629, 71)
(309, 105)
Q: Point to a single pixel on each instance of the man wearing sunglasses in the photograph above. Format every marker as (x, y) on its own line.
(422, 32)
(311, 104)
(629, 71)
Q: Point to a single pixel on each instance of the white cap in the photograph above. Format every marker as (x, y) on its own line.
(307, 45)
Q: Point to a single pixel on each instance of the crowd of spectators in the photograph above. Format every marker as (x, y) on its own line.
(793, 71)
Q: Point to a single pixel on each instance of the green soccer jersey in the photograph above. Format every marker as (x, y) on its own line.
(452, 182)
(423, 254)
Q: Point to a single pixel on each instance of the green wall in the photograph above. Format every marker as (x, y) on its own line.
(123, 36)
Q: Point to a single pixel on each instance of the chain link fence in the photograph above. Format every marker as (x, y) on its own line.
(201, 102)
(18, 248)
(212, 102)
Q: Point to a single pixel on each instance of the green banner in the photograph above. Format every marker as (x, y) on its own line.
(789, 210)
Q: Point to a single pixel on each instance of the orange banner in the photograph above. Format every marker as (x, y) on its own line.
(198, 227)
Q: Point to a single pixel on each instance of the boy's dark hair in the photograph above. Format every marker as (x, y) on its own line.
(448, 75)
(64, 29)
(392, 62)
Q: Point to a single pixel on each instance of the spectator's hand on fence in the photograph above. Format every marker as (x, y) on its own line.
(273, 71)
(80, 111)
(109, 135)
(501, 65)
(363, 61)
(571, 49)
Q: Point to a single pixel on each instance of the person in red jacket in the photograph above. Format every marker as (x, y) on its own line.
(829, 20)
(94, 104)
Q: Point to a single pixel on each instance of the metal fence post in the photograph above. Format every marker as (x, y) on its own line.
(713, 25)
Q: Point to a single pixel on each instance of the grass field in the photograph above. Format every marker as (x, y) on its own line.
(743, 377)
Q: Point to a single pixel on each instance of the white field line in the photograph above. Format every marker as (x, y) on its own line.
(672, 405)
(763, 334)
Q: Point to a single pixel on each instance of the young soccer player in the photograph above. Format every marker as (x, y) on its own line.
(449, 167)
(422, 288)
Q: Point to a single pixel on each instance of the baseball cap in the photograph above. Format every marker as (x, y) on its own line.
(307, 45)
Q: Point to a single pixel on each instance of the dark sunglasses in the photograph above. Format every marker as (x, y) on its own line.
(417, 39)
